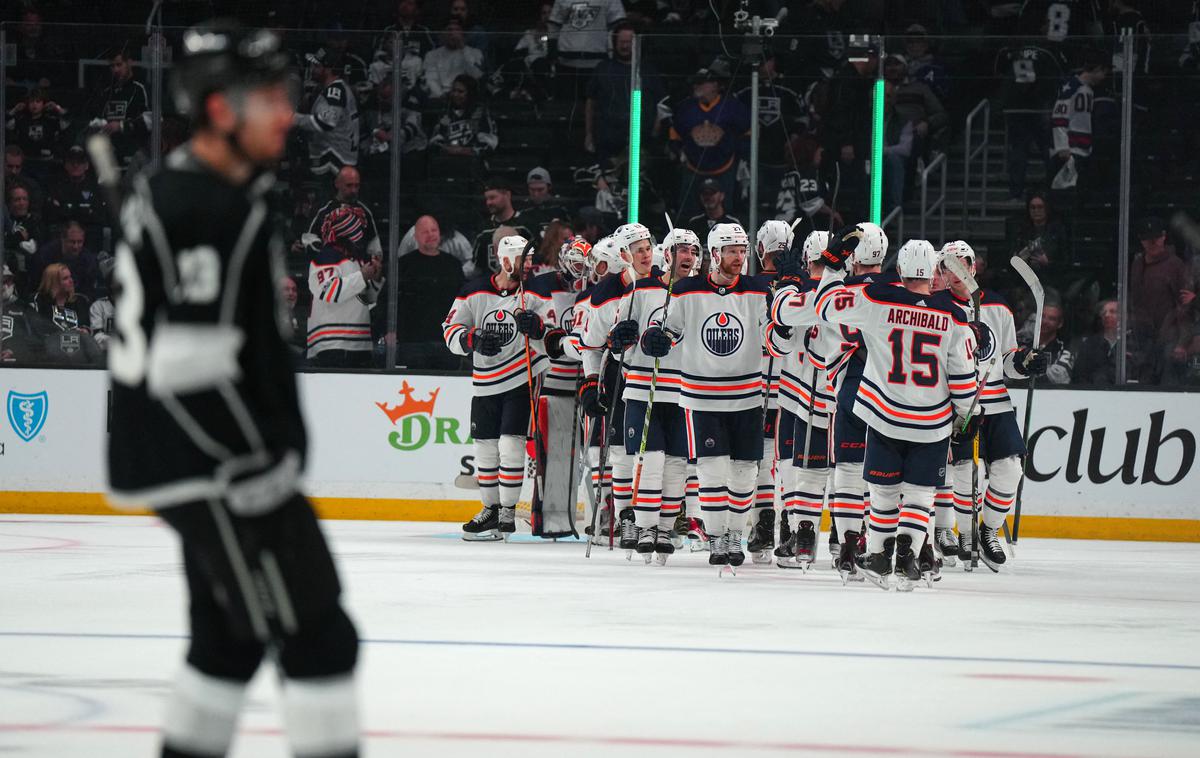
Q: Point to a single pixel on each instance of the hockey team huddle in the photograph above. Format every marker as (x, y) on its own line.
(714, 403)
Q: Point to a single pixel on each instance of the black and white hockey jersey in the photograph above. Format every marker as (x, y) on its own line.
(720, 331)
(332, 129)
(553, 298)
(483, 306)
(204, 400)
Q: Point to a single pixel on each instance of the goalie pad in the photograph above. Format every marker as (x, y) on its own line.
(559, 468)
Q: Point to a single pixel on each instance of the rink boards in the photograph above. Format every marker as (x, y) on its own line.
(1105, 464)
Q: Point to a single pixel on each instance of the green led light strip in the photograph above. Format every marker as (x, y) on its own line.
(635, 153)
(877, 154)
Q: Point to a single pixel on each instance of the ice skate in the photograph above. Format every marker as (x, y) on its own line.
(784, 558)
(733, 547)
(664, 547)
(484, 527)
(964, 551)
(698, 539)
(878, 566)
(801, 547)
(835, 549)
(947, 545)
(508, 521)
(991, 549)
(717, 554)
(907, 570)
(627, 533)
(646, 542)
(930, 565)
(848, 559)
(762, 538)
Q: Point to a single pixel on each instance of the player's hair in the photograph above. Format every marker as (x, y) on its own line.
(498, 183)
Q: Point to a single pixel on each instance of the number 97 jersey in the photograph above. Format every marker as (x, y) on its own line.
(920, 364)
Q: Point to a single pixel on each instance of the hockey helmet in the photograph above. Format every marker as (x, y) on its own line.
(627, 235)
(345, 224)
(509, 252)
(605, 251)
(722, 236)
(774, 236)
(917, 260)
(677, 237)
(872, 248)
(573, 257)
(960, 249)
(815, 244)
(223, 54)
(658, 259)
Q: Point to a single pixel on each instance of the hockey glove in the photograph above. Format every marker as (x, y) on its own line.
(484, 343)
(790, 267)
(623, 336)
(983, 338)
(656, 342)
(1030, 362)
(530, 324)
(965, 431)
(784, 331)
(553, 341)
(841, 246)
(589, 397)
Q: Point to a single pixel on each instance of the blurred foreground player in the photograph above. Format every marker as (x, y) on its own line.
(206, 422)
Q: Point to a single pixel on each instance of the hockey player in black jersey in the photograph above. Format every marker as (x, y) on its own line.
(206, 424)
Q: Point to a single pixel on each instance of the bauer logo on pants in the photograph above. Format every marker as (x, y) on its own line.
(27, 413)
(722, 334)
(416, 424)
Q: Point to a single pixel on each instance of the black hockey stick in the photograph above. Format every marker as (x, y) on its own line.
(1039, 300)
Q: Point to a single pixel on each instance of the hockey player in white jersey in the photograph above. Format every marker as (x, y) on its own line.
(919, 373)
(652, 409)
(717, 322)
(482, 324)
(621, 260)
(1000, 444)
(774, 238)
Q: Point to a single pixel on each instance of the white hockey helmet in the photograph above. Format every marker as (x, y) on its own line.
(628, 234)
(605, 251)
(508, 253)
(658, 259)
(722, 236)
(917, 260)
(573, 257)
(677, 237)
(872, 248)
(960, 249)
(815, 244)
(773, 236)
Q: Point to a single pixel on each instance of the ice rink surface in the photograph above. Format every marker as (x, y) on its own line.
(528, 649)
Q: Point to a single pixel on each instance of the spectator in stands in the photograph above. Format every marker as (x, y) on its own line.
(1060, 361)
(331, 126)
(1161, 295)
(22, 233)
(1071, 130)
(476, 36)
(497, 199)
(847, 132)
(21, 329)
(546, 258)
(589, 224)
(1040, 235)
(899, 137)
(529, 74)
(68, 317)
(347, 186)
(709, 129)
(1031, 71)
(1097, 361)
(15, 173)
(68, 249)
(415, 37)
(582, 29)
(37, 60)
(454, 58)
(344, 288)
(916, 103)
(75, 194)
(377, 125)
(782, 117)
(426, 285)
(922, 65)
(36, 125)
(297, 316)
(712, 204)
(810, 190)
(466, 129)
(122, 111)
(543, 206)
(606, 109)
(452, 242)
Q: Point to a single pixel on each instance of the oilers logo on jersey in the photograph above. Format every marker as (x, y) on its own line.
(722, 334)
(987, 340)
(501, 322)
(657, 316)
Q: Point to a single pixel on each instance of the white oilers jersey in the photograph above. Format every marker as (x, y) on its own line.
(606, 307)
(720, 333)
(552, 297)
(332, 129)
(920, 365)
(804, 383)
(481, 305)
(572, 344)
(340, 318)
(648, 308)
(772, 364)
(846, 366)
(997, 362)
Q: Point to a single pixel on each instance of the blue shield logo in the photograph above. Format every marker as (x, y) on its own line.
(27, 413)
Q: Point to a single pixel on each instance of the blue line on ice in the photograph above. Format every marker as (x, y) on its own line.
(668, 649)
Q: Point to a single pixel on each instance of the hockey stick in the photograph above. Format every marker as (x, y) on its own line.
(959, 269)
(1039, 300)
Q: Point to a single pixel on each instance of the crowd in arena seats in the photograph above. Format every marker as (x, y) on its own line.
(515, 117)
